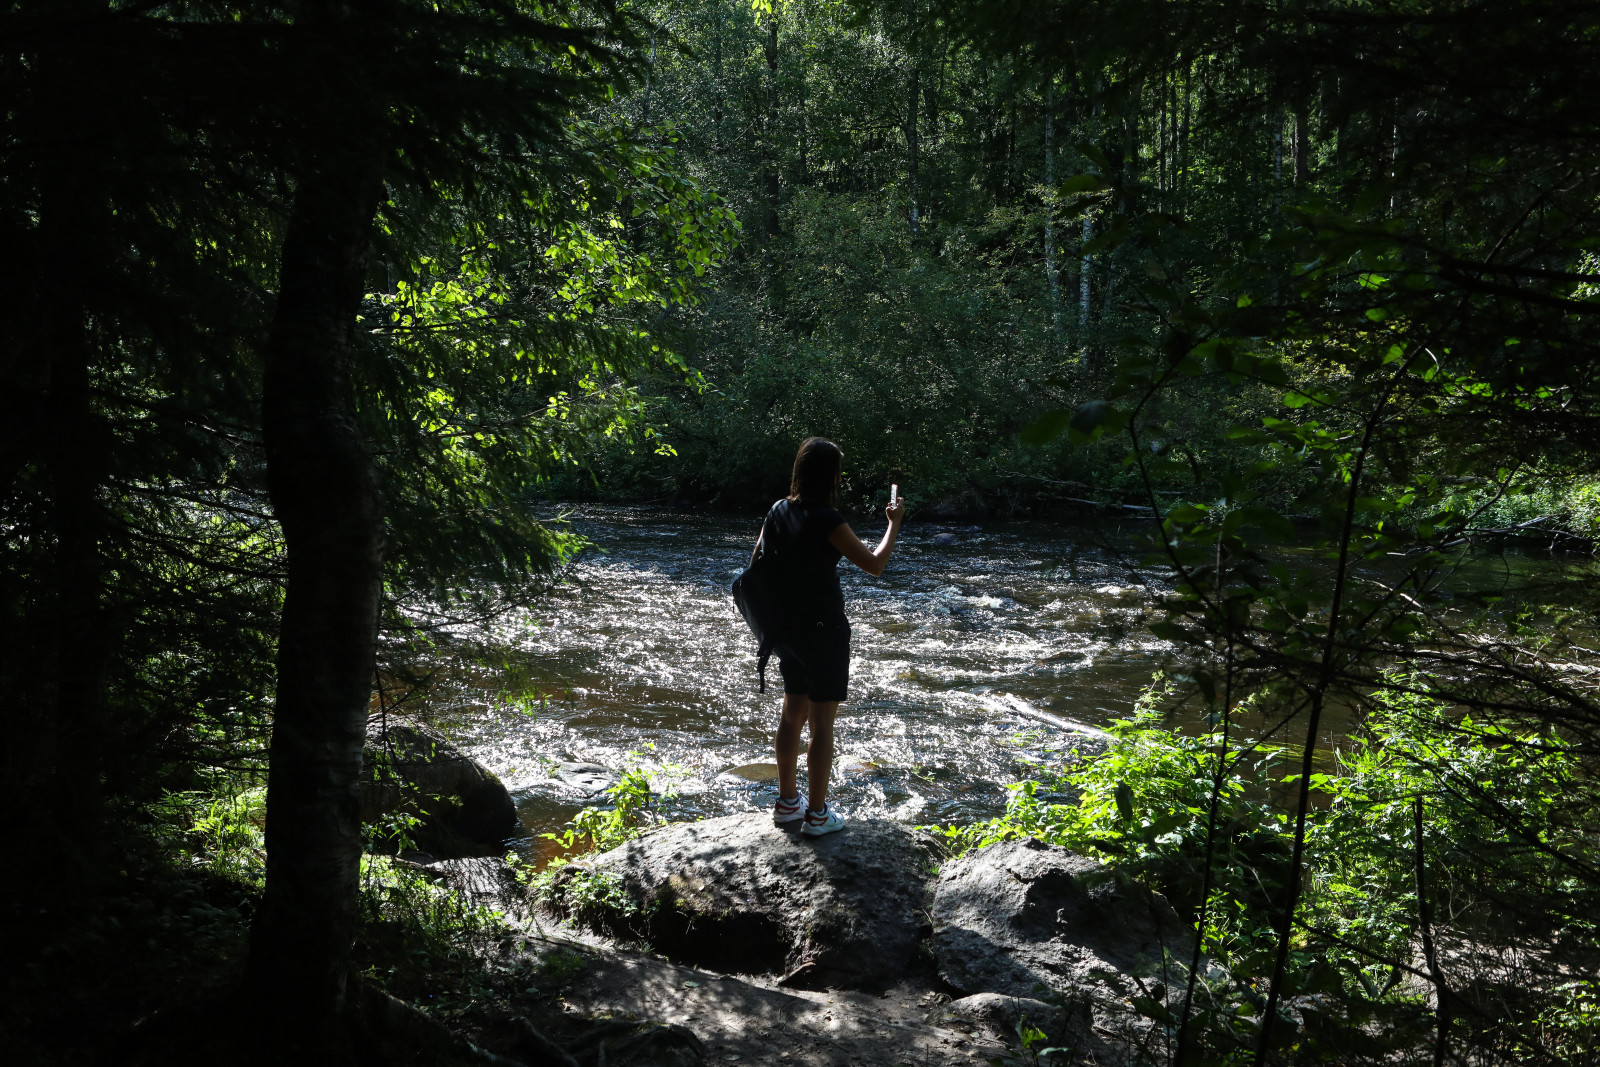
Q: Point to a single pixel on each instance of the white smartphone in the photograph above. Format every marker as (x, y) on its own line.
(894, 494)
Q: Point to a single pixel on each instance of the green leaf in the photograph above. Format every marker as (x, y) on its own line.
(1124, 797)
(1049, 427)
(1089, 417)
(1217, 351)
(1188, 512)
(1151, 1009)
(1270, 521)
(1168, 631)
(1082, 183)
(1094, 155)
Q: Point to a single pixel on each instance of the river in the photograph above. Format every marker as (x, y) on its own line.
(973, 653)
(980, 649)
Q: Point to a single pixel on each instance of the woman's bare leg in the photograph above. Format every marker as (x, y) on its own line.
(819, 760)
(796, 710)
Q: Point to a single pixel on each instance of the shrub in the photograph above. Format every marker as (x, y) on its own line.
(1508, 834)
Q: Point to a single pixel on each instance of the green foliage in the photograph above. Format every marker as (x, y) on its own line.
(1145, 805)
(890, 289)
(603, 827)
(559, 968)
(574, 889)
(230, 833)
(508, 341)
(424, 937)
(1508, 817)
(393, 891)
(1397, 381)
(220, 832)
(1498, 804)
(526, 248)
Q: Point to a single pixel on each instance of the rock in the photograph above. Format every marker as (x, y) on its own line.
(860, 768)
(485, 881)
(1021, 915)
(754, 772)
(611, 1042)
(742, 895)
(628, 1043)
(534, 1047)
(591, 778)
(1001, 1016)
(414, 769)
(403, 1034)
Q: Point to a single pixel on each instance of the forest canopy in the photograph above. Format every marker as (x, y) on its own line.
(316, 307)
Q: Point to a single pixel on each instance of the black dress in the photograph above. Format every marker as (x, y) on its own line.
(814, 647)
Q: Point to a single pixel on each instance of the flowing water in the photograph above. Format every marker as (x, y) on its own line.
(977, 649)
(981, 648)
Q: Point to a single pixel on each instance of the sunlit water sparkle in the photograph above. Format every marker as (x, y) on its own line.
(963, 651)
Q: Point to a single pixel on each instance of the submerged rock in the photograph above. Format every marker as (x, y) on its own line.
(591, 778)
(740, 894)
(1023, 918)
(754, 772)
(414, 769)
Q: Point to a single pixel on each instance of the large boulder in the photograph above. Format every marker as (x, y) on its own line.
(1021, 917)
(739, 894)
(410, 768)
(1003, 1018)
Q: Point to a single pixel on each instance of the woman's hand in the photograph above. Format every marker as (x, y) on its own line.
(871, 560)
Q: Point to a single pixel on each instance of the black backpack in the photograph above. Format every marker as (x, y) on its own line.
(759, 596)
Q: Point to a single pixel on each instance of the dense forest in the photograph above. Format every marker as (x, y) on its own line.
(318, 308)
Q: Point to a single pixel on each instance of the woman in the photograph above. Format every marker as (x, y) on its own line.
(806, 536)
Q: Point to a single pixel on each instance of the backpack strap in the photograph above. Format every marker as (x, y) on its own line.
(763, 654)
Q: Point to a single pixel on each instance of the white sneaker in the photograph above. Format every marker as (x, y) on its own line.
(822, 822)
(789, 810)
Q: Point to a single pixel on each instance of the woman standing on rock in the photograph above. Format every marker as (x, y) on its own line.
(805, 536)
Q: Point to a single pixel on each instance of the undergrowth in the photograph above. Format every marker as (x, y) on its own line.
(572, 889)
(1508, 826)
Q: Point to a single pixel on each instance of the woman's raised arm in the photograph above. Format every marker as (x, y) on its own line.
(871, 560)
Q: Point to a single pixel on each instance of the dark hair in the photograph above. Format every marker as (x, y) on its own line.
(816, 472)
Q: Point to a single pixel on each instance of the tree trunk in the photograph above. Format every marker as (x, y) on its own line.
(719, 92)
(74, 461)
(1302, 148)
(325, 494)
(1277, 161)
(911, 142)
(1161, 139)
(769, 228)
(1183, 137)
(1051, 274)
(54, 624)
(1083, 272)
